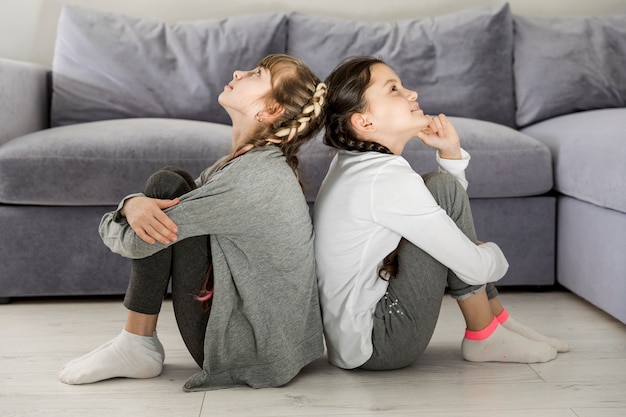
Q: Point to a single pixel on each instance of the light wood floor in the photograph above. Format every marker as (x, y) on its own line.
(38, 336)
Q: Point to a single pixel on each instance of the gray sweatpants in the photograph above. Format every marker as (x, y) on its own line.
(405, 318)
(186, 262)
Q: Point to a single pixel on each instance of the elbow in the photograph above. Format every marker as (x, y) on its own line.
(502, 269)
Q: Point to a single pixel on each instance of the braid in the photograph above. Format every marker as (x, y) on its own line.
(309, 116)
(340, 135)
(301, 96)
(305, 124)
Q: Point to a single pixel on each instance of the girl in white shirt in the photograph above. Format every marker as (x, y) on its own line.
(389, 242)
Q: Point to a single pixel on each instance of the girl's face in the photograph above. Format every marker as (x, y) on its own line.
(392, 114)
(245, 94)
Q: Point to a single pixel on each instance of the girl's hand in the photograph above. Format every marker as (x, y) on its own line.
(441, 135)
(146, 217)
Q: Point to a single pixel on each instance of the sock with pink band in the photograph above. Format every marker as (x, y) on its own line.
(482, 334)
(511, 324)
(495, 343)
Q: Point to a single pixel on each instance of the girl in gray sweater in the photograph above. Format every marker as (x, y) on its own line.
(237, 244)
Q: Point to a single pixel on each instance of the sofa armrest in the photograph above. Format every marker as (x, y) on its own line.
(24, 98)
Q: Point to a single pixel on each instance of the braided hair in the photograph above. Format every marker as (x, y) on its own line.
(301, 94)
(346, 96)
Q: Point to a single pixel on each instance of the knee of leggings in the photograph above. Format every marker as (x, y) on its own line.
(441, 181)
(168, 183)
(183, 174)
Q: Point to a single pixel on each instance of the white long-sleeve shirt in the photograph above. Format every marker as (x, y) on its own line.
(367, 203)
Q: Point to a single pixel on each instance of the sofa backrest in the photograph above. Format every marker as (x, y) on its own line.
(564, 65)
(111, 66)
(460, 64)
(483, 63)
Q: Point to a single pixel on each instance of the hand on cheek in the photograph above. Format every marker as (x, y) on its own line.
(441, 135)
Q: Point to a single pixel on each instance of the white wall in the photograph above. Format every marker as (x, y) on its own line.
(28, 27)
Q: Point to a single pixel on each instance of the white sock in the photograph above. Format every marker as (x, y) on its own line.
(157, 343)
(498, 344)
(159, 346)
(511, 324)
(96, 350)
(128, 355)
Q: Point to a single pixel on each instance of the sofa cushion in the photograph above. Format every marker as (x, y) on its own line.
(505, 162)
(589, 150)
(110, 66)
(460, 64)
(563, 65)
(98, 163)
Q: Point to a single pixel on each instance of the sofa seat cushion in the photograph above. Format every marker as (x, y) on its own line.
(505, 162)
(589, 150)
(99, 163)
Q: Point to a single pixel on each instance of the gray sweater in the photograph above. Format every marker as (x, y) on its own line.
(265, 320)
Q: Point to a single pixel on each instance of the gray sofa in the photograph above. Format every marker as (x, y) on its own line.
(126, 96)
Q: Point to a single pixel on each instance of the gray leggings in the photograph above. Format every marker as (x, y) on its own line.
(405, 318)
(186, 262)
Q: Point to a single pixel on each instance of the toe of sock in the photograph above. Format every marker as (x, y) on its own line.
(561, 346)
(70, 377)
(552, 354)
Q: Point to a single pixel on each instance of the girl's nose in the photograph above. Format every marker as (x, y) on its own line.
(412, 96)
(236, 75)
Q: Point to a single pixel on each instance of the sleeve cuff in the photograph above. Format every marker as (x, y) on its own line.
(455, 167)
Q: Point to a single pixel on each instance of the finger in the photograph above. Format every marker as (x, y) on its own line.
(170, 227)
(433, 125)
(166, 236)
(156, 235)
(437, 121)
(426, 131)
(444, 120)
(424, 134)
(163, 204)
(145, 237)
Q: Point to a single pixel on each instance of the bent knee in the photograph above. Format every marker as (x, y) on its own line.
(167, 183)
(442, 181)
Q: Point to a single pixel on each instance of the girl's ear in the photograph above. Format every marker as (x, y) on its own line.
(271, 112)
(360, 123)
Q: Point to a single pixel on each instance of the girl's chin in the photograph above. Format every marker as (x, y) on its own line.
(223, 105)
(222, 101)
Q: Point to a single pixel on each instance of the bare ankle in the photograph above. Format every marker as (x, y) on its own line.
(141, 324)
(496, 306)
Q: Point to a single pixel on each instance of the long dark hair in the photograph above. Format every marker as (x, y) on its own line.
(346, 96)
